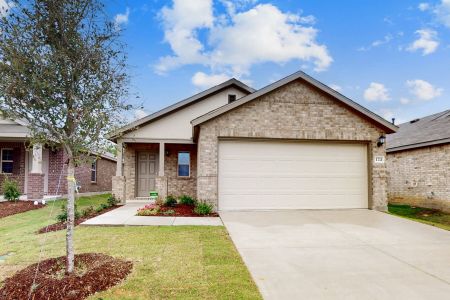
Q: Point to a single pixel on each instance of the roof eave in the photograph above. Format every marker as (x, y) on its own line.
(418, 145)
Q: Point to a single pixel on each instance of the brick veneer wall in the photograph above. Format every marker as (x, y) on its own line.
(294, 111)
(420, 177)
(18, 164)
(35, 186)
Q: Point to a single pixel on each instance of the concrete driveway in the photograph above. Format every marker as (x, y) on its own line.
(341, 254)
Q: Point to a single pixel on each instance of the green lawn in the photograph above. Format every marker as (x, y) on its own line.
(423, 215)
(181, 262)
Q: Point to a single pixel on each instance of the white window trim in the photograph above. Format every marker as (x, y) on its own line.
(94, 170)
(1, 160)
(178, 164)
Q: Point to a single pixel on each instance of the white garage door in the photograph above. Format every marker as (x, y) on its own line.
(285, 175)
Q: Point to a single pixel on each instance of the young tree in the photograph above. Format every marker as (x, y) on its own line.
(63, 71)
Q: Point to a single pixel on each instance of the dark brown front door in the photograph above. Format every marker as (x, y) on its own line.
(147, 169)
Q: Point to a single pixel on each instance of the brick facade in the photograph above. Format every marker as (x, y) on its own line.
(57, 173)
(420, 177)
(294, 111)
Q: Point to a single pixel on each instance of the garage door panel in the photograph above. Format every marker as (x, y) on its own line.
(271, 175)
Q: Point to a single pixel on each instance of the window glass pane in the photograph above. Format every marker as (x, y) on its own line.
(7, 154)
(7, 167)
(183, 158)
(93, 176)
(183, 170)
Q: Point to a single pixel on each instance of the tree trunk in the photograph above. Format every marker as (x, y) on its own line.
(70, 252)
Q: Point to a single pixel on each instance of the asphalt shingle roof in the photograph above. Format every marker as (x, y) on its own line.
(430, 130)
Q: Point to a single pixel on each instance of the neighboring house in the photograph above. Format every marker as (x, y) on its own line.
(293, 144)
(41, 172)
(419, 162)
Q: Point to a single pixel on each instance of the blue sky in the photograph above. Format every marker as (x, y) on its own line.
(391, 56)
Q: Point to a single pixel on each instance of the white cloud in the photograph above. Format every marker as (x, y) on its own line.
(5, 6)
(423, 90)
(376, 92)
(386, 39)
(427, 42)
(336, 87)
(405, 101)
(424, 6)
(122, 19)
(205, 81)
(442, 12)
(139, 114)
(234, 42)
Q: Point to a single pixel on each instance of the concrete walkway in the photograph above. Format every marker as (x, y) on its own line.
(341, 254)
(126, 216)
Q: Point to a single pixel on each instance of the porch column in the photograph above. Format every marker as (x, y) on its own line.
(119, 181)
(162, 154)
(119, 168)
(35, 187)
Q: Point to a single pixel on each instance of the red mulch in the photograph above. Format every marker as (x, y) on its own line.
(94, 272)
(63, 225)
(9, 208)
(182, 210)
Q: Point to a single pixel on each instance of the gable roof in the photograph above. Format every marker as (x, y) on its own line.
(389, 127)
(426, 131)
(183, 103)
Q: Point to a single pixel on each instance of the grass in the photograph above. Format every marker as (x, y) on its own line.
(178, 262)
(424, 215)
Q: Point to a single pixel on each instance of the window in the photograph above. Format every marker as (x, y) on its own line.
(7, 161)
(231, 98)
(184, 164)
(94, 172)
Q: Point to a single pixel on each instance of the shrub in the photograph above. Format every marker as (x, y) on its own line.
(62, 217)
(149, 210)
(102, 207)
(10, 189)
(112, 201)
(169, 212)
(187, 200)
(203, 208)
(170, 201)
(87, 211)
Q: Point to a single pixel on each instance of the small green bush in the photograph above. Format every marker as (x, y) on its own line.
(102, 207)
(87, 211)
(169, 212)
(170, 201)
(112, 201)
(187, 200)
(203, 208)
(10, 189)
(62, 217)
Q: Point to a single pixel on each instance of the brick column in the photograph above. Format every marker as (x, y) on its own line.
(118, 188)
(35, 186)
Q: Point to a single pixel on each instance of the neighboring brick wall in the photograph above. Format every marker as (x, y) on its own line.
(106, 169)
(294, 111)
(35, 186)
(420, 177)
(18, 164)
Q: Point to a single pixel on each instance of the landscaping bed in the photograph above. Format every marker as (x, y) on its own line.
(428, 216)
(63, 225)
(94, 272)
(185, 206)
(9, 208)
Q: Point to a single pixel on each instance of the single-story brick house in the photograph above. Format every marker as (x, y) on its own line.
(418, 161)
(41, 172)
(294, 144)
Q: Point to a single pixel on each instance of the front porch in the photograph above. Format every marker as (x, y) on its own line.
(168, 167)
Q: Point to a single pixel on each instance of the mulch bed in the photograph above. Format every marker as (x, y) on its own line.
(94, 272)
(182, 210)
(9, 208)
(63, 225)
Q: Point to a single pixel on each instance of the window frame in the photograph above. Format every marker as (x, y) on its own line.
(94, 167)
(178, 164)
(7, 160)
(231, 96)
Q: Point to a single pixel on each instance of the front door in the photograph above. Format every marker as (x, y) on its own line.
(147, 169)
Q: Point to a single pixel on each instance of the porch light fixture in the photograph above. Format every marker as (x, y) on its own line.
(381, 140)
(167, 153)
